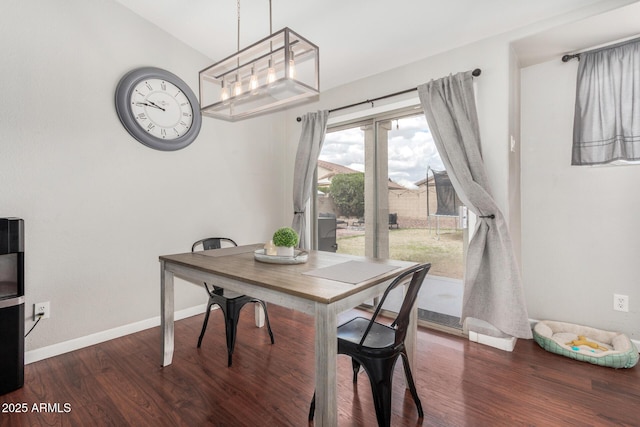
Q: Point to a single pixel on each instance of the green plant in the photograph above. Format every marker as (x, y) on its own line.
(347, 191)
(285, 236)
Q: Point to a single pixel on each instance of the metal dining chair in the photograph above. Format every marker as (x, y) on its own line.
(376, 346)
(230, 302)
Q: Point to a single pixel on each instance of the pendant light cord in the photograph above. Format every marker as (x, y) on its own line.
(238, 62)
(270, 34)
(270, 20)
(238, 25)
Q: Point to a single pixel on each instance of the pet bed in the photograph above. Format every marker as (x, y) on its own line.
(604, 348)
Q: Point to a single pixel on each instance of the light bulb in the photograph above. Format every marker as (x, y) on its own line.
(271, 73)
(253, 82)
(237, 87)
(224, 94)
(292, 66)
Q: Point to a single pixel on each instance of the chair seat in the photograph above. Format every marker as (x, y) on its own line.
(230, 295)
(379, 337)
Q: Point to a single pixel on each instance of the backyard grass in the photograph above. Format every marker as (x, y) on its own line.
(418, 245)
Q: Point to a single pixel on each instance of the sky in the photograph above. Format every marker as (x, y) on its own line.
(411, 150)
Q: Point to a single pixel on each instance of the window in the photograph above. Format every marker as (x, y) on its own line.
(606, 125)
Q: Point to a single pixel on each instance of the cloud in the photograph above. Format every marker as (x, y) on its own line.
(344, 147)
(410, 149)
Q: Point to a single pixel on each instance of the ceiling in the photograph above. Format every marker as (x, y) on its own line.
(595, 31)
(357, 38)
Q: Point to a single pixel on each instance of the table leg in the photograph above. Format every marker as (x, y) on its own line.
(326, 351)
(166, 314)
(259, 315)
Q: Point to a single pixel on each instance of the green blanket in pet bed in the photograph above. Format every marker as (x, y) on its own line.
(604, 348)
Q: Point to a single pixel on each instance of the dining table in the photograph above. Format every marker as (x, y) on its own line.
(321, 284)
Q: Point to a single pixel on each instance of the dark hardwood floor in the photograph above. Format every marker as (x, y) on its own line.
(120, 383)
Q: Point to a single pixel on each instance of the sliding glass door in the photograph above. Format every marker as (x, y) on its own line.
(377, 196)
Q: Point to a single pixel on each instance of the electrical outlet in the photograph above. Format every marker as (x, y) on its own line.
(620, 302)
(42, 310)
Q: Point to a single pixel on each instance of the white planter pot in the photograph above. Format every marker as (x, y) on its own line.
(284, 251)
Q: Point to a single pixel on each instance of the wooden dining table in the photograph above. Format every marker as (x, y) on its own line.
(324, 286)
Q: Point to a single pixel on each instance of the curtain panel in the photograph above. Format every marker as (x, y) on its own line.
(314, 127)
(606, 125)
(493, 289)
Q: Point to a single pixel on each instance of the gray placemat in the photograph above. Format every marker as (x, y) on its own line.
(351, 271)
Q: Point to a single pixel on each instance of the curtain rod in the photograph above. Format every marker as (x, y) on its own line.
(474, 73)
(567, 58)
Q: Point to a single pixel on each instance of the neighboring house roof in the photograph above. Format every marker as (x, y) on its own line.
(395, 186)
(327, 170)
(334, 167)
(424, 181)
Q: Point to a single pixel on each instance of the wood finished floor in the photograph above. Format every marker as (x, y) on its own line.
(120, 383)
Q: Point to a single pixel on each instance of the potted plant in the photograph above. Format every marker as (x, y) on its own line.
(285, 239)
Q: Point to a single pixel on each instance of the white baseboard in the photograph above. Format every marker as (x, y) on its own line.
(506, 343)
(86, 341)
(485, 333)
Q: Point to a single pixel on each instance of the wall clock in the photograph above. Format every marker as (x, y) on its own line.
(158, 108)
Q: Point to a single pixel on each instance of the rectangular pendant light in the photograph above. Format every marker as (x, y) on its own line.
(277, 72)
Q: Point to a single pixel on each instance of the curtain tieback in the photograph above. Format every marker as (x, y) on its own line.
(492, 216)
(298, 212)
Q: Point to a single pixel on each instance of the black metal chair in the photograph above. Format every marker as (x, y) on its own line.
(376, 347)
(229, 302)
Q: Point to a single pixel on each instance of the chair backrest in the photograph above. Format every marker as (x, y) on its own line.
(401, 323)
(212, 243)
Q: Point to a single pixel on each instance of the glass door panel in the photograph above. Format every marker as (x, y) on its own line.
(412, 204)
(340, 204)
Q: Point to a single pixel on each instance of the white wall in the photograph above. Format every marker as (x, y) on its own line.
(580, 228)
(99, 207)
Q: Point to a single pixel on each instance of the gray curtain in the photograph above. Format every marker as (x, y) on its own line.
(492, 286)
(606, 126)
(314, 127)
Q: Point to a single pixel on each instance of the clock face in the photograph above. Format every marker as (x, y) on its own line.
(158, 109)
(161, 109)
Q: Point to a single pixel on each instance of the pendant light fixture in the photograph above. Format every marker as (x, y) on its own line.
(272, 74)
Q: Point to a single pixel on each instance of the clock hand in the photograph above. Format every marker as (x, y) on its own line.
(150, 104)
(155, 105)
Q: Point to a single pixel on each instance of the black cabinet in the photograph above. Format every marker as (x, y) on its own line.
(11, 304)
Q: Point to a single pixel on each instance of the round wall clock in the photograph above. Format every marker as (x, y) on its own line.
(158, 109)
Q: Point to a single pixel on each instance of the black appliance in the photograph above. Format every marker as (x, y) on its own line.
(327, 227)
(11, 304)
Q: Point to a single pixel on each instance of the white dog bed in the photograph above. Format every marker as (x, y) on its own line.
(604, 348)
